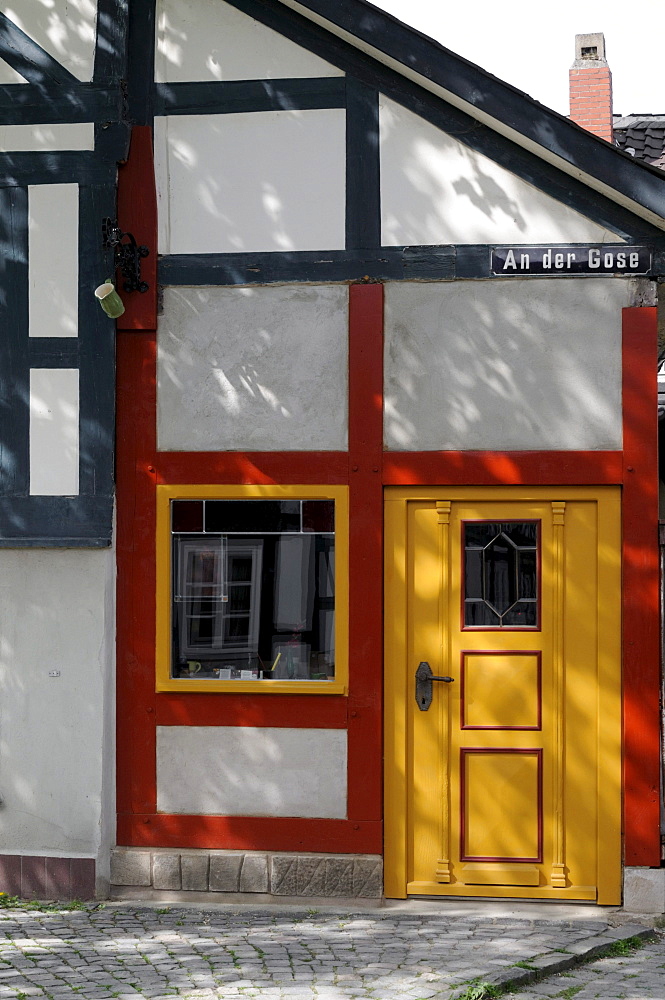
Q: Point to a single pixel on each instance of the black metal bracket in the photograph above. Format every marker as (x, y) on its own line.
(424, 678)
(127, 256)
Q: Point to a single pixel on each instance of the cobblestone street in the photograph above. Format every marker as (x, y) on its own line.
(639, 975)
(125, 952)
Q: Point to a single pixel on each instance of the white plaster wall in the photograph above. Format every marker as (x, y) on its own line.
(504, 364)
(434, 189)
(9, 75)
(53, 260)
(272, 180)
(200, 40)
(65, 28)
(56, 733)
(47, 139)
(54, 431)
(249, 771)
(253, 369)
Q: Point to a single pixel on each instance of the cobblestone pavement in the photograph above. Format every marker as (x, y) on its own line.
(139, 952)
(639, 975)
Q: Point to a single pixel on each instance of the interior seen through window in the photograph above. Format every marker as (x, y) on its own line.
(253, 589)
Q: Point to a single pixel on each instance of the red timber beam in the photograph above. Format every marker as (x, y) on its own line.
(641, 591)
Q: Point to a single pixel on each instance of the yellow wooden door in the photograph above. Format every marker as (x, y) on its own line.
(508, 782)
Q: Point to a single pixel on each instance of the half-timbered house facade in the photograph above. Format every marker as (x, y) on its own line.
(329, 567)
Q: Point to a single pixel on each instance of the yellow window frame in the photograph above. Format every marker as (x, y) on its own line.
(167, 493)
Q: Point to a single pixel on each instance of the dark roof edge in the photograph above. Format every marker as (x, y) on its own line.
(567, 146)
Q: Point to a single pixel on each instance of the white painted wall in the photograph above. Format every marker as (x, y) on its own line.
(57, 733)
(65, 28)
(434, 189)
(47, 138)
(273, 180)
(249, 771)
(53, 260)
(54, 431)
(253, 369)
(9, 75)
(200, 40)
(504, 364)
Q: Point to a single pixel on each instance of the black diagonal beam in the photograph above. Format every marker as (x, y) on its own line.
(501, 101)
(29, 59)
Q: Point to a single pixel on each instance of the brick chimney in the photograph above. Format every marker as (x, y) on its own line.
(591, 86)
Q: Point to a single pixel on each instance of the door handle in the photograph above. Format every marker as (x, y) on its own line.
(424, 678)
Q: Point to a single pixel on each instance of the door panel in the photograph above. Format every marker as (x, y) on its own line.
(507, 779)
(501, 793)
(501, 690)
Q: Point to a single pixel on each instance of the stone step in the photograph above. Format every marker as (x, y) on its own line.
(279, 874)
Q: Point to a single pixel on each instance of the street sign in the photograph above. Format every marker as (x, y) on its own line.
(609, 258)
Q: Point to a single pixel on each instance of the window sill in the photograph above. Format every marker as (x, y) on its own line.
(192, 686)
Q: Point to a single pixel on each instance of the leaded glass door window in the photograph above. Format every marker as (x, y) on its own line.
(501, 574)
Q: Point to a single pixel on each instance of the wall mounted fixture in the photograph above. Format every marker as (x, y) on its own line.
(127, 255)
(109, 299)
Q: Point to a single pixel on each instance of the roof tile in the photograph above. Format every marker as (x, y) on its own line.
(644, 135)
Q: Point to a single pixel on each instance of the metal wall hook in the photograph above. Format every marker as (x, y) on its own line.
(127, 256)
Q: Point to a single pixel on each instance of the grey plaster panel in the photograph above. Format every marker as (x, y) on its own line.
(504, 365)
(253, 369)
(251, 771)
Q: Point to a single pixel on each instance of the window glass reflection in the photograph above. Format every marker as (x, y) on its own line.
(255, 601)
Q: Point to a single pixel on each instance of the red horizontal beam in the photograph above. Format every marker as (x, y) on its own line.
(251, 833)
(486, 468)
(285, 711)
(252, 468)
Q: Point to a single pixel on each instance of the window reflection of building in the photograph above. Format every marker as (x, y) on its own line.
(217, 611)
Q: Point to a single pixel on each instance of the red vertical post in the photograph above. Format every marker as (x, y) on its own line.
(641, 591)
(137, 214)
(135, 476)
(366, 552)
(136, 446)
